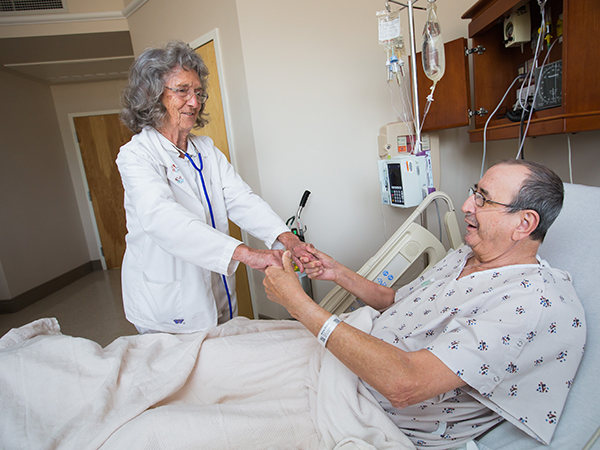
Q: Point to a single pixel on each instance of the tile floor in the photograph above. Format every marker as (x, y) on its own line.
(91, 308)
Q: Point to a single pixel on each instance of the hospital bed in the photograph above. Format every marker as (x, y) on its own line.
(145, 389)
(572, 244)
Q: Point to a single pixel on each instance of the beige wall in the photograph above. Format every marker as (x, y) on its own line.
(306, 90)
(305, 95)
(82, 100)
(40, 228)
(317, 91)
(316, 80)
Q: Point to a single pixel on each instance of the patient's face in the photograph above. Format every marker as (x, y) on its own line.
(490, 227)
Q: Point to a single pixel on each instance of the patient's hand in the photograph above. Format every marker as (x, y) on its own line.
(300, 255)
(323, 267)
(283, 287)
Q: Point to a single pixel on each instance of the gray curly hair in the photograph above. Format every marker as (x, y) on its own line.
(141, 99)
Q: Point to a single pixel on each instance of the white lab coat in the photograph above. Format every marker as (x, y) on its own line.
(171, 272)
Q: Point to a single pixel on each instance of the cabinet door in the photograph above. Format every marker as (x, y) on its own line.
(452, 96)
(494, 71)
(581, 52)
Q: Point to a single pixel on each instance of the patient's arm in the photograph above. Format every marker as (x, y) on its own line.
(404, 378)
(324, 267)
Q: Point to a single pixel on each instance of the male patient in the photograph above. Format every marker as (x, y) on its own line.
(489, 333)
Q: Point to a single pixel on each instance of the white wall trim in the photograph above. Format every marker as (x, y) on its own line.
(83, 176)
(38, 19)
(132, 7)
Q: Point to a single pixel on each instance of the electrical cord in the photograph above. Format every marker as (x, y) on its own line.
(570, 160)
(488, 121)
(537, 88)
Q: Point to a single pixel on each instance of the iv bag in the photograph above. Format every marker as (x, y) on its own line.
(390, 33)
(434, 59)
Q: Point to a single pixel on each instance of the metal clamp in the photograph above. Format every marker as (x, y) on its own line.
(480, 112)
(404, 5)
(479, 50)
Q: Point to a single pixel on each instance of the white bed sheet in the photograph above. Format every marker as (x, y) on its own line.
(245, 385)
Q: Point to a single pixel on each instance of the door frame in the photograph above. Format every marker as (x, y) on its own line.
(84, 177)
(213, 35)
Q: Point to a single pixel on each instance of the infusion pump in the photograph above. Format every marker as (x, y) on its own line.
(403, 180)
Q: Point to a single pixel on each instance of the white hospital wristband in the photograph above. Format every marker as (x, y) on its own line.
(328, 328)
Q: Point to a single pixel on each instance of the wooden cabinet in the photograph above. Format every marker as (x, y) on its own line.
(452, 96)
(496, 68)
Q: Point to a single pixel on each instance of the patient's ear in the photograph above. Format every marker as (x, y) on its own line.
(530, 220)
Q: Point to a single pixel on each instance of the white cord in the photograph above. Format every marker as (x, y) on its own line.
(488, 121)
(570, 160)
(537, 88)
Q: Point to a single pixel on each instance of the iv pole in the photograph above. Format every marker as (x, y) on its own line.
(413, 65)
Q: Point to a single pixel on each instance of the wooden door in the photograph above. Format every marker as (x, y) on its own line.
(100, 138)
(217, 131)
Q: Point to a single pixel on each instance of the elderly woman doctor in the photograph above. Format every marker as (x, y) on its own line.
(179, 263)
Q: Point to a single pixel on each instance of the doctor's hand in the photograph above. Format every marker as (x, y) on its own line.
(257, 259)
(283, 287)
(299, 254)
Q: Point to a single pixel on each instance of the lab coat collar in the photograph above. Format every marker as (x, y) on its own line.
(166, 144)
(171, 159)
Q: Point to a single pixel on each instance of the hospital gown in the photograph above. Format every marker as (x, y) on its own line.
(515, 335)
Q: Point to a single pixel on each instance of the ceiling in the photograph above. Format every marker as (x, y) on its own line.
(69, 58)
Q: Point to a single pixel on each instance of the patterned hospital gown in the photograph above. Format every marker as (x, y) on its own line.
(515, 336)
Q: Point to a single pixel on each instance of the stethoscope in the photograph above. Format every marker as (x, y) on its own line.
(212, 217)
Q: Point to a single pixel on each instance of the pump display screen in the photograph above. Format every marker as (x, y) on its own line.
(396, 189)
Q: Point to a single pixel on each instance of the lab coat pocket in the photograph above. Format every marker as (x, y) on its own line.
(163, 299)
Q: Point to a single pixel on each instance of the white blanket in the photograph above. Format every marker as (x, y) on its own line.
(244, 385)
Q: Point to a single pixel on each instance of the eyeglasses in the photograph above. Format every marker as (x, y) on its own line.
(185, 93)
(480, 200)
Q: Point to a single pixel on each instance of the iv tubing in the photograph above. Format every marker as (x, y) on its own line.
(428, 104)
